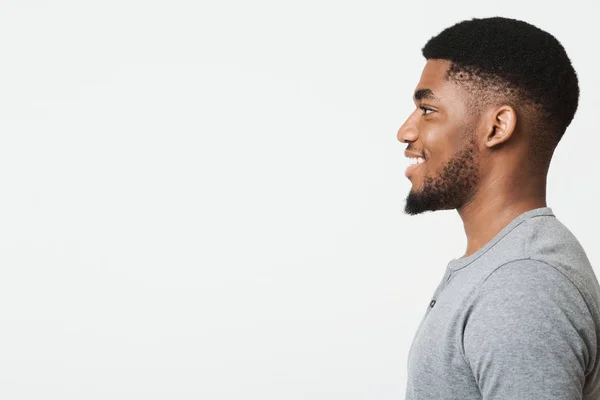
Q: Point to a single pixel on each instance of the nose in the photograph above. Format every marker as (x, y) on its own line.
(408, 131)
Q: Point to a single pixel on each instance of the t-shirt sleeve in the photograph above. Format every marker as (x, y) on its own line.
(528, 334)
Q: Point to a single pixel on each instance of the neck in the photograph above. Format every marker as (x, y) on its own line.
(495, 205)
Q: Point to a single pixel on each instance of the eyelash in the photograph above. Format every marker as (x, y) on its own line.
(425, 109)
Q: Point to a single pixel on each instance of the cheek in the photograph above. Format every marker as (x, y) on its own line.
(438, 154)
(441, 143)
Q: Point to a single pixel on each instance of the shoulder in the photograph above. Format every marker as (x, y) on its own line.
(529, 287)
(525, 303)
(529, 323)
(527, 273)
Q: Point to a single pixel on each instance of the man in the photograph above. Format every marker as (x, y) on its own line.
(517, 317)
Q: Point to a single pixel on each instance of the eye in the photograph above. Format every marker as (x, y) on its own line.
(426, 110)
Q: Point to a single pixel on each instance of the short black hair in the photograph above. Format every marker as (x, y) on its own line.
(516, 59)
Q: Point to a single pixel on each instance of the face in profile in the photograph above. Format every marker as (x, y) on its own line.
(441, 130)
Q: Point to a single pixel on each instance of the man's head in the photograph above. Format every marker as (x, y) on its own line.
(494, 99)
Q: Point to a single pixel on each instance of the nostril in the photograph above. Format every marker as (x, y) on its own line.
(406, 135)
(408, 132)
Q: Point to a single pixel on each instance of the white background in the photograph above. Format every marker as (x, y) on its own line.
(204, 200)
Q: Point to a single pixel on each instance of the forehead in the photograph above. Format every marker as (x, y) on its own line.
(433, 76)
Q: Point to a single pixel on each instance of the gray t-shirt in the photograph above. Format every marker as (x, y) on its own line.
(517, 320)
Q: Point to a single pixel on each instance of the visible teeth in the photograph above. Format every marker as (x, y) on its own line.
(416, 160)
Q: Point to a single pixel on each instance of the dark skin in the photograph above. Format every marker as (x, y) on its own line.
(477, 160)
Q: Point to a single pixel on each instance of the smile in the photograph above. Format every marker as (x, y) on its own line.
(415, 163)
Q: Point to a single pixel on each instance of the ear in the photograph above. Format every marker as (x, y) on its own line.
(502, 125)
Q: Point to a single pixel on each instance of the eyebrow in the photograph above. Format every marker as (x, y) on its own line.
(425, 94)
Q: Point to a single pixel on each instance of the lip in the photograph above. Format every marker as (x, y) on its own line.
(412, 168)
(414, 155)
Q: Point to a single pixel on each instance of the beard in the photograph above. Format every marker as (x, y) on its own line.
(454, 187)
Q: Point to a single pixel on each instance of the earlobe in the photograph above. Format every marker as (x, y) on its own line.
(504, 121)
